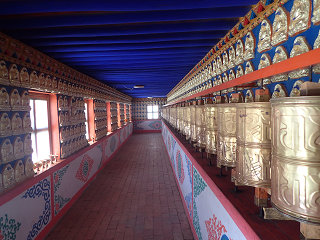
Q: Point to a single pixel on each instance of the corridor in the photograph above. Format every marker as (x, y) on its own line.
(134, 197)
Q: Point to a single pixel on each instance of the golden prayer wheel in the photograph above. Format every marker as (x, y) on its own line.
(178, 118)
(184, 118)
(188, 121)
(193, 136)
(200, 124)
(253, 144)
(211, 127)
(170, 115)
(226, 151)
(173, 112)
(295, 164)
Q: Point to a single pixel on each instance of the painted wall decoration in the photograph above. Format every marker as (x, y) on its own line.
(8, 228)
(180, 169)
(139, 107)
(113, 143)
(104, 145)
(57, 177)
(147, 125)
(208, 216)
(29, 215)
(84, 168)
(40, 190)
(156, 125)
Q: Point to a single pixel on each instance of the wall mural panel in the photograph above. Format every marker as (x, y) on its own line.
(209, 218)
(147, 125)
(29, 213)
(25, 216)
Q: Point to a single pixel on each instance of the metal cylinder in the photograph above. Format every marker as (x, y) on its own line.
(211, 128)
(253, 155)
(188, 122)
(174, 116)
(184, 119)
(178, 118)
(295, 164)
(200, 124)
(193, 136)
(226, 134)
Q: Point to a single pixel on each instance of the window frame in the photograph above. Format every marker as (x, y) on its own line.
(153, 111)
(86, 102)
(42, 96)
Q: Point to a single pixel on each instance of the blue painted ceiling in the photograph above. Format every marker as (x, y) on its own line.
(121, 42)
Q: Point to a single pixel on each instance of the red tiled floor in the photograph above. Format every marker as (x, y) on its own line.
(134, 197)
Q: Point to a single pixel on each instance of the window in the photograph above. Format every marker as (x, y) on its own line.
(152, 112)
(40, 135)
(86, 114)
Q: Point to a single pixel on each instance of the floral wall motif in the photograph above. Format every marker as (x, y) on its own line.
(59, 202)
(180, 169)
(147, 125)
(84, 168)
(57, 177)
(8, 228)
(41, 189)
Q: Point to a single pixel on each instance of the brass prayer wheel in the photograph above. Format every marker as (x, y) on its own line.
(200, 124)
(193, 135)
(211, 127)
(226, 134)
(188, 121)
(178, 118)
(182, 118)
(295, 164)
(253, 144)
(174, 116)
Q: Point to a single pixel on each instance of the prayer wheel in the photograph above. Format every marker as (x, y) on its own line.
(178, 117)
(226, 134)
(174, 116)
(188, 121)
(211, 127)
(200, 124)
(193, 135)
(253, 143)
(182, 118)
(295, 164)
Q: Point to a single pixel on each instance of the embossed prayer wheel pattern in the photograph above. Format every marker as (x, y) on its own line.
(295, 166)
(200, 126)
(211, 128)
(183, 120)
(253, 144)
(193, 123)
(227, 134)
(178, 118)
(188, 123)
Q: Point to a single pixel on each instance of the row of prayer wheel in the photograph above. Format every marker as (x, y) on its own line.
(271, 144)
